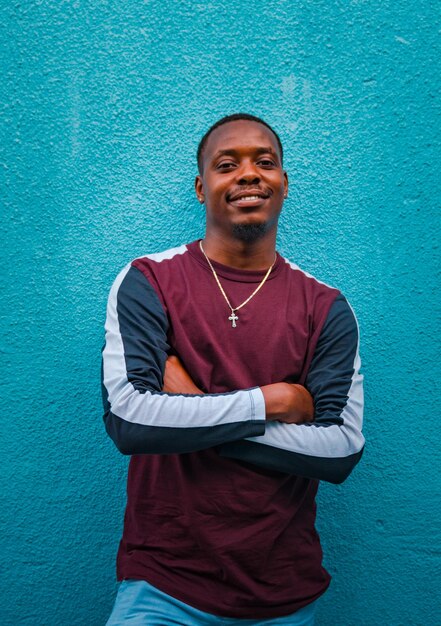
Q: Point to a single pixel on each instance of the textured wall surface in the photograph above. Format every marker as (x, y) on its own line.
(103, 104)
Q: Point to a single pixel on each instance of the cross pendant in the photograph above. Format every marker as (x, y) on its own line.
(233, 317)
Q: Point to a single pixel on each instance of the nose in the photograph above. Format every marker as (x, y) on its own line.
(248, 173)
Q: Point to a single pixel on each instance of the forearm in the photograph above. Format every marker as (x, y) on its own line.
(328, 454)
(327, 449)
(160, 423)
(284, 402)
(330, 447)
(139, 416)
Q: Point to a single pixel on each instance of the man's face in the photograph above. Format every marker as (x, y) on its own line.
(242, 184)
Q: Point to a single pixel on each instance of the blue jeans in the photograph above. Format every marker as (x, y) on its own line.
(140, 604)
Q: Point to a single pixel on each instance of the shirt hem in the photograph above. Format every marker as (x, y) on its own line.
(228, 612)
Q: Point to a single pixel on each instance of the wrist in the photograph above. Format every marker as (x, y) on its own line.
(274, 404)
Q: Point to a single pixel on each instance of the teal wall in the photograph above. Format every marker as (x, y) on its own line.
(103, 106)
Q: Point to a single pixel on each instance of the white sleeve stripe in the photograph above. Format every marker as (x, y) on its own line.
(159, 409)
(333, 441)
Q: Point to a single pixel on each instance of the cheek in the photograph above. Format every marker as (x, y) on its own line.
(217, 194)
(279, 188)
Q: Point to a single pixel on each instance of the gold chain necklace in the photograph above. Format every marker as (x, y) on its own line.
(233, 317)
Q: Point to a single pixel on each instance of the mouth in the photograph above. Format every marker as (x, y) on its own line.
(249, 197)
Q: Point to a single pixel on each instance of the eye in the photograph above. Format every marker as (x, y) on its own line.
(267, 163)
(225, 165)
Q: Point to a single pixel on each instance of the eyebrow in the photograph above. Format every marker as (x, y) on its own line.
(258, 151)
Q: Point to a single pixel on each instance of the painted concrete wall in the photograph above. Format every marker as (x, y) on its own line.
(103, 106)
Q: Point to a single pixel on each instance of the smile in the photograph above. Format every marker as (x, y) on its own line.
(249, 195)
(249, 198)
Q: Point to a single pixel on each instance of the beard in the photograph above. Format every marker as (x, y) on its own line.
(249, 233)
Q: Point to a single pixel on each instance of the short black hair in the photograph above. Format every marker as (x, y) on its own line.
(233, 118)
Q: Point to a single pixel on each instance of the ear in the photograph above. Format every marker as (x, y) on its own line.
(199, 188)
(285, 184)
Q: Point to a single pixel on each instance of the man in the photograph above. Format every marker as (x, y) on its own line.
(232, 377)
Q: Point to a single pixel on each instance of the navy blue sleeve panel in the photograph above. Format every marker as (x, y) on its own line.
(330, 375)
(143, 326)
(131, 438)
(332, 445)
(139, 417)
(332, 470)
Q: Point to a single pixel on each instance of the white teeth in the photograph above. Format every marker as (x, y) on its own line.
(249, 198)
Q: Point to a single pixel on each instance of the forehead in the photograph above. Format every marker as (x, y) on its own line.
(240, 135)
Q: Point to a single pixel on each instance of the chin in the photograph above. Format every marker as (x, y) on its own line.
(250, 233)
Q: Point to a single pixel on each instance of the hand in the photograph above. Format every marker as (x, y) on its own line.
(291, 404)
(177, 379)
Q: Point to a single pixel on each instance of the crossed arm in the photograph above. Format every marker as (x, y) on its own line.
(271, 426)
(284, 402)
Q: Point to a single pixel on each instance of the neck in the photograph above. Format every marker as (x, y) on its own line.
(257, 255)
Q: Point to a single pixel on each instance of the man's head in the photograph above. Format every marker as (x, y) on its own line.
(241, 179)
(233, 118)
